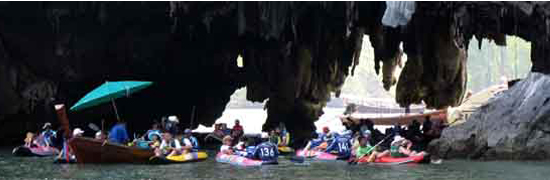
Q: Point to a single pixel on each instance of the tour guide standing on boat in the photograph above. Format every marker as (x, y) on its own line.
(118, 133)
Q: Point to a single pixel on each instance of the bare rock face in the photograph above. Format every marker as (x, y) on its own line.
(514, 125)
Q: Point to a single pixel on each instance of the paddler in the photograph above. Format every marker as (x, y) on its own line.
(401, 147)
(169, 146)
(342, 145)
(366, 150)
(189, 142)
(155, 130)
(226, 147)
(266, 151)
(47, 134)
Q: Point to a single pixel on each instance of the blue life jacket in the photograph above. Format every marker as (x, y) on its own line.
(48, 135)
(342, 145)
(194, 142)
(266, 151)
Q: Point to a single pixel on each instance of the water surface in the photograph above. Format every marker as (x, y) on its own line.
(42, 168)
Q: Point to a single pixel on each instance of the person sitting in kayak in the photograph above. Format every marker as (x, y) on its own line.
(29, 140)
(189, 142)
(155, 143)
(226, 147)
(119, 134)
(155, 130)
(401, 147)
(169, 146)
(274, 137)
(366, 150)
(266, 151)
(313, 144)
(342, 145)
(48, 134)
(284, 134)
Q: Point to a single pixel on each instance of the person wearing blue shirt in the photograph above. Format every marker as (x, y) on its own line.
(267, 152)
(342, 145)
(48, 134)
(194, 142)
(118, 133)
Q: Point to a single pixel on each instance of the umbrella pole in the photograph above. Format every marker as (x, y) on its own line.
(114, 107)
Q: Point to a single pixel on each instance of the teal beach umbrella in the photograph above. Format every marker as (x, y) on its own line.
(109, 91)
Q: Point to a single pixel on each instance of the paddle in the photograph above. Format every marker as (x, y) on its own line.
(93, 127)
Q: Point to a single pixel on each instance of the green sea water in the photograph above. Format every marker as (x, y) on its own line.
(42, 168)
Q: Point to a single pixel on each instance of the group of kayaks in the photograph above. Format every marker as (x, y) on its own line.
(88, 150)
(324, 156)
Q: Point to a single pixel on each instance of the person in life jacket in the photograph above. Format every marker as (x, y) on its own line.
(226, 147)
(48, 134)
(155, 130)
(401, 147)
(169, 146)
(266, 151)
(342, 145)
(189, 141)
(312, 145)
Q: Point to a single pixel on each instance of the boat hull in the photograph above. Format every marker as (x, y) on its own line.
(39, 151)
(183, 158)
(393, 160)
(240, 161)
(89, 150)
(316, 155)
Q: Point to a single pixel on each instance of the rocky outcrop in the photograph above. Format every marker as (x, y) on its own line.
(514, 125)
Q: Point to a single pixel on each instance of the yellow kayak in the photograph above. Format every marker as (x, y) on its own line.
(183, 158)
(285, 149)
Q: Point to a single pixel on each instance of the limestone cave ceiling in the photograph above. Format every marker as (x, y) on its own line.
(295, 53)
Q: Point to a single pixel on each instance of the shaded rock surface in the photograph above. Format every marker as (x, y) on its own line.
(294, 55)
(514, 125)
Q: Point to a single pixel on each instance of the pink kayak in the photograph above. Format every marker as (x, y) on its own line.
(240, 160)
(41, 151)
(393, 160)
(316, 155)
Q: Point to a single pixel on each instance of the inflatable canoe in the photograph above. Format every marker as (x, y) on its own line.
(40, 151)
(316, 155)
(183, 158)
(240, 161)
(393, 160)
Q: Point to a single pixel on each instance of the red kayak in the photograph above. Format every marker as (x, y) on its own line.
(393, 160)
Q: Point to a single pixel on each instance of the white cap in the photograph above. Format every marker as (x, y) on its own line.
(173, 119)
(98, 133)
(77, 131)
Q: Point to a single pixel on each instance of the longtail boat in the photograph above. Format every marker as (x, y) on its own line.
(88, 150)
(440, 115)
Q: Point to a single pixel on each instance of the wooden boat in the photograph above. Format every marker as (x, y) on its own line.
(241, 161)
(88, 150)
(183, 158)
(40, 151)
(387, 160)
(440, 115)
